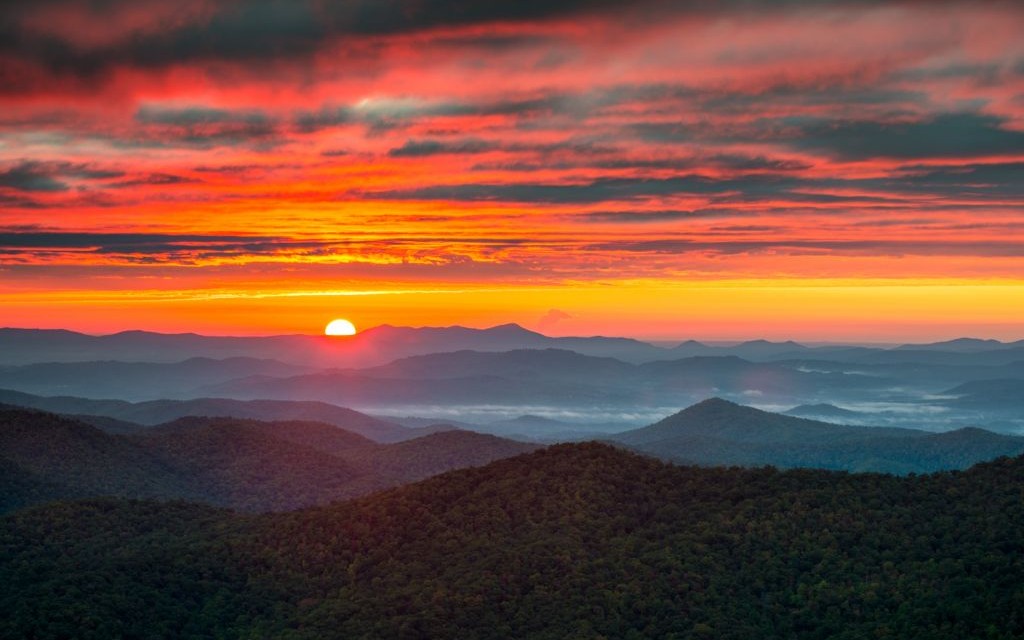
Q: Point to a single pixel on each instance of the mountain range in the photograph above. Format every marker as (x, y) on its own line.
(260, 465)
(384, 343)
(127, 416)
(484, 376)
(244, 464)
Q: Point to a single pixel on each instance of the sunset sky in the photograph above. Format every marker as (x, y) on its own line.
(663, 170)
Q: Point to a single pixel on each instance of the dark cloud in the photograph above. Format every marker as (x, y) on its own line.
(115, 241)
(153, 179)
(149, 247)
(967, 181)
(50, 176)
(198, 116)
(854, 247)
(204, 127)
(430, 147)
(601, 190)
(253, 31)
(954, 135)
(661, 215)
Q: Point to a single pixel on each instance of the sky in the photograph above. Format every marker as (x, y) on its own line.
(835, 170)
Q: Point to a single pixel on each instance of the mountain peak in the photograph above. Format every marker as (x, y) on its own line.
(511, 328)
(715, 403)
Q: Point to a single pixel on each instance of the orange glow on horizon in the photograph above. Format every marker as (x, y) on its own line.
(826, 310)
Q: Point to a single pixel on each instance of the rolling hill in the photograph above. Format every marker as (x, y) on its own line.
(243, 464)
(718, 432)
(159, 411)
(136, 380)
(574, 541)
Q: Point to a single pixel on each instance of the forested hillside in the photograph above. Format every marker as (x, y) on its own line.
(574, 541)
(243, 464)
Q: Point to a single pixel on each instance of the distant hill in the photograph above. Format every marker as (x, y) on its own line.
(374, 346)
(963, 345)
(728, 420)
(1005, 394)
(547, 377)
(750, 350)
(718, 432)
(574, 541)
(550, 430)
(824, 411)
(357, 389)
(160, 411)
(79, 459)
(136, 380)
(254, 466)
(243, 464)
(403, 462)
(385, 343)
(534, 364)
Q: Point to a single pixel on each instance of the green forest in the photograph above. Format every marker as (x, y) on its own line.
(572, 541)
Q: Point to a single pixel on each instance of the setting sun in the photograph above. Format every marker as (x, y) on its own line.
(340, 327)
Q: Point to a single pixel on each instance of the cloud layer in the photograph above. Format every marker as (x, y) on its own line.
(511, 142)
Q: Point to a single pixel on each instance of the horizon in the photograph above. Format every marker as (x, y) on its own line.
(659, 342)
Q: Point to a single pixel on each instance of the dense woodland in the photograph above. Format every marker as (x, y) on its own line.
(243, 464)
(574, 541)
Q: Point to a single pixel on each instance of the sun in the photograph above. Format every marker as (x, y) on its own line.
(340, 327)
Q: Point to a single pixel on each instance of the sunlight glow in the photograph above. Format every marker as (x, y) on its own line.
(340, 327)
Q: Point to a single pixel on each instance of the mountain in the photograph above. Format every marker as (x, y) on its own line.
(727, 420)
(825, 412)
(718, 432)
(79, 459)
(547, 377)
(385, 343)
(528, 364)
(254, 466)
(385, 395)
(374, 346)
(396, 464)
(961, 345)
(136, 380)
(701, 376)
(160, 411)
(550, 430)
(989, 395)
(574, 541)
(243, 464)
(431, 424)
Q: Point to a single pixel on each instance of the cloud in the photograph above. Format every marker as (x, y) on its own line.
(952, 135)
(204, 127)
(551, 318)
(32, 175)
(679, 246)
(424, 148)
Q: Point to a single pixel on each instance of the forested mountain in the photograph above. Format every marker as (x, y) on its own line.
(719, 432)
(574, 541)
(989, 395)
(720, 418)
(74, 458)
(159, 411)
(244, 464)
